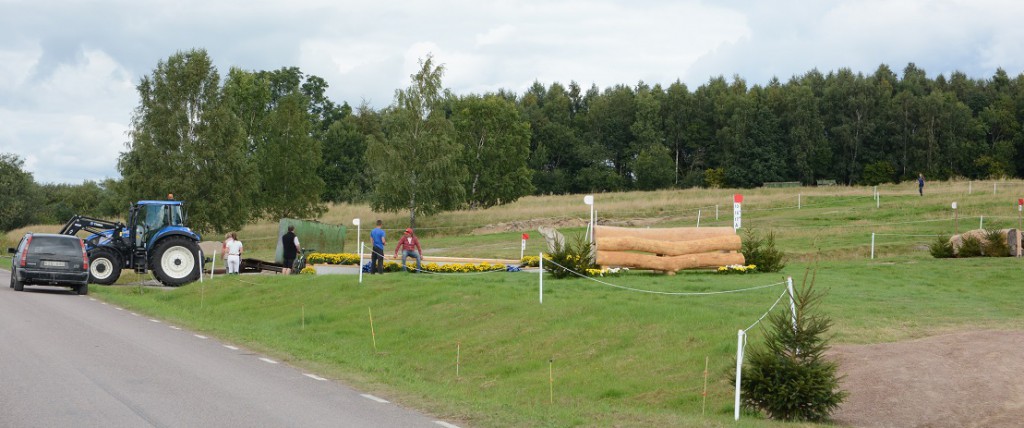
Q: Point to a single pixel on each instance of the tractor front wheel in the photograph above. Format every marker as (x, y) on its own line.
(176, 261)
(104, 266)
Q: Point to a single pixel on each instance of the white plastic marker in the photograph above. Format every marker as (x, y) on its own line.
(956, 221)
(698, 218)
(214, 266)
(372, 333)
(359, 244)
(792, 300)
(522, 250)
(737, 202)
(872, 245)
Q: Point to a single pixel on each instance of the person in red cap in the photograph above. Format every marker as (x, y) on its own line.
(410, 247)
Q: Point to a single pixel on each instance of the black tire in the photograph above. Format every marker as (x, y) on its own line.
(176, 261)
(104, 266)
(11, 282)
(82, 289)
(17, 285)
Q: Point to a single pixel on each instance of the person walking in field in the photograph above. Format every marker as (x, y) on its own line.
(410, 247)
(377, 235)
(234, 252)
(920, 184)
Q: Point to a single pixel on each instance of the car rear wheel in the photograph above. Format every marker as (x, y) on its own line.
(82, 289)
(17, 285)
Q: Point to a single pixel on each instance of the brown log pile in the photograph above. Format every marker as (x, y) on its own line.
(667, 249)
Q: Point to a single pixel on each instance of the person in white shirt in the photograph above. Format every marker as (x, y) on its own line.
(234, 251)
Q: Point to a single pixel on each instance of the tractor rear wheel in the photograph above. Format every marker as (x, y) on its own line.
(176, 261)
(104, 266)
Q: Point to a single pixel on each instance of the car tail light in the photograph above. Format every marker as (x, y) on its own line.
(24, 252)
(85, 257)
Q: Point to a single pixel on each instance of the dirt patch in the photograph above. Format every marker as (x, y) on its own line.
(967, 379)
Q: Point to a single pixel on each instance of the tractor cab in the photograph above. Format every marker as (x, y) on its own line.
(151, 220)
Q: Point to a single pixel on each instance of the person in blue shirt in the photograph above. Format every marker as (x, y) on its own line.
(377, 259)
(920, 184)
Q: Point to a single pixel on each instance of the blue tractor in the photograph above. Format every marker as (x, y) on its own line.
(155, 238)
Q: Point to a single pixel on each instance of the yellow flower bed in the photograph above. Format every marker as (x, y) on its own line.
(737, 269)
(391, 266)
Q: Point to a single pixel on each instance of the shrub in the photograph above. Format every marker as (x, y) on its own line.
(762, 252)
(788, 378)
(995, 244)
(308, 270)
(941, 248)
(572, 256)
(970, 247)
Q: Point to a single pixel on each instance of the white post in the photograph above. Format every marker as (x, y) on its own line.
(698, 218)
(359, 227)
(201, 263)
(878, 200)
(541, 278)
(798, 198)
(981, 222)
(994, 187)
(739, 370)
(874, 192)
(522, 250)
(872, 245)
(361, 263)
(792, 300)
(716, 212)
(969, 183)
(589, 200)
(214, 264)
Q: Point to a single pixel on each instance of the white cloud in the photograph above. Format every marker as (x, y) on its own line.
(68, 69)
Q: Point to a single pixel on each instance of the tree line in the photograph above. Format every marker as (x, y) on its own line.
(271, 144)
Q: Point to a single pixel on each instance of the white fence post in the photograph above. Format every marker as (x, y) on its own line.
(361, 262)
(698, 218)
(792, 300)
(798, 198)
(872, 245)
(981, 222)
(739, 370)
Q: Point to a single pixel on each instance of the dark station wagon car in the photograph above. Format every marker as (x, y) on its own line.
(48, 259)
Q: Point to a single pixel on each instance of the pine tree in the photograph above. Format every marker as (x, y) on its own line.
(789, 378)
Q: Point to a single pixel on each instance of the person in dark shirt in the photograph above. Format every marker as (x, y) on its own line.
(290, 243)
(920, 184)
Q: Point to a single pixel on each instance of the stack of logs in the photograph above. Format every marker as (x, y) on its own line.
(669, 249)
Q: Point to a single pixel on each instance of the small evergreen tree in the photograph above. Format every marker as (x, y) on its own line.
(941, 248)
(571, 256)
(789, 378)
(761, 252)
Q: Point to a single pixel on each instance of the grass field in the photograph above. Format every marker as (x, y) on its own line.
(617, 358)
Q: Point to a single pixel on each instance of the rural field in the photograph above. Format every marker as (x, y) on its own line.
(482, 350)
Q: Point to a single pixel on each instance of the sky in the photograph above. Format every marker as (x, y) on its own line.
(69, 69)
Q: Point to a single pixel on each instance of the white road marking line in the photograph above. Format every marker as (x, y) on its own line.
(93, 299)
(268, 360)
(313, 376)
(115, 307)
(103, 303)
(153, 320)
(233, 348)
(200, 336)
(377, 399)
(133, 313)
(446, 424)
(176, 328)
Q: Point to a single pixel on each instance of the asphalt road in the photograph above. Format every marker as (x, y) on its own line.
(73, 361)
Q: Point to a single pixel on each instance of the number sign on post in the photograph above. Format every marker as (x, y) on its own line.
(737, 202)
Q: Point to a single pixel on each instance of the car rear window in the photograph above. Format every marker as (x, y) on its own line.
(56, 245)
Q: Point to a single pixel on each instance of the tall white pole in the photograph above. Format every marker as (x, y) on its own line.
(361, 263)
(981, 222)
(798, 200)
(358, 225)
(212, 268)
(698, 218)
(739, 370)
(541, 278)
(589, 200)
(872, 245)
